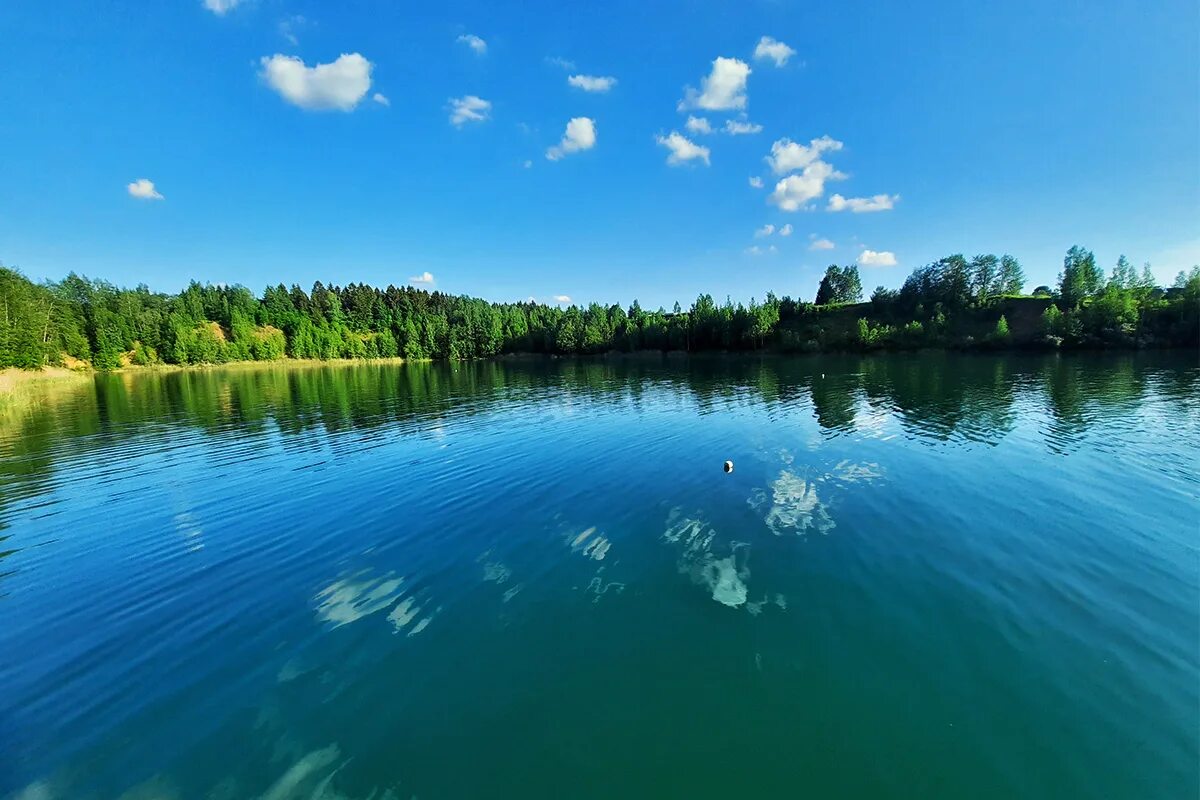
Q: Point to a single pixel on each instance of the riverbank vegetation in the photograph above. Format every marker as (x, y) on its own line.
(953, 303)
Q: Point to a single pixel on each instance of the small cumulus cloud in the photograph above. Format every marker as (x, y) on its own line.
(479, 46)
(871, 258)
(562, 63)
(741, 127)
(786, 230)
(468, 109)
(337, 86)
(765, 230)
(143, 189)
(221, 7)
(682, 149)
(787, 155)
(769, 49)
(592, 83)
(761, 251)
(381, 98)
(862, 205)
(698, 125)
(810, 171)
(794, 191)
(723, 89)
(579, 135)
(562, 298)
(820, 243)
(424, 279)
(756, 182)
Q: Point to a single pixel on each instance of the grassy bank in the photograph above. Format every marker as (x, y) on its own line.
(23, 390)
(13, 379)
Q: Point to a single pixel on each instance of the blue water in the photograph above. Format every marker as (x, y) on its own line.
(927, 576)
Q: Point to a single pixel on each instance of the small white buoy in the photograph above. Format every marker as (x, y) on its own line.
(729, 466)
(822, 376)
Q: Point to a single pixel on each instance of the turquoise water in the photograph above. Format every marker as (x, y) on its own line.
(927, 576)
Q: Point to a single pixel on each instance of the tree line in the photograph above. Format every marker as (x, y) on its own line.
(953, 302)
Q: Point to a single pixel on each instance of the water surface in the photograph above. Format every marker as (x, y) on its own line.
(928, 576)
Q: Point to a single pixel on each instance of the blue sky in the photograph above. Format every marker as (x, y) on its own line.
(1021, 127)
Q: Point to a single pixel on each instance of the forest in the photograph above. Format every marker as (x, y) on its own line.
(953, 303)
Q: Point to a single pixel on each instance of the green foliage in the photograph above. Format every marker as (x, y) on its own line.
(1001, 333)
(144, 355)
(1112, 316)
(839, 285)
(29, 324)
(1123, 275)
(269, 344)
(1012, 276)
(1052, 321)
(864, 332)
(946, 282)
(1080, 278)
(1189, 283)
(952, 302)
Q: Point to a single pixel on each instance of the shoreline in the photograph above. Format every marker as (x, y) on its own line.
(13, 379)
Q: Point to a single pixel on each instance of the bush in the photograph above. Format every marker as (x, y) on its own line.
(1001, 332)
(269, 344)
(144, 355)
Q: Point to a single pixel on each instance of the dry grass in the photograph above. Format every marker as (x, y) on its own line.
(282, 363)
(22, 390)
(13, 379)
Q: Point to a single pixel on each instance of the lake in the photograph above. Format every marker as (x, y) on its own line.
(928, 575)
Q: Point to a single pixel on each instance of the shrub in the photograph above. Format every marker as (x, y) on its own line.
(1001, 332)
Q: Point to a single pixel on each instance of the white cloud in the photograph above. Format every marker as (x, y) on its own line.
(221, 7)
(860, 205)
(741, 127)
(761, 251)
(579, 135)
(883, 258)
(338, 86)
(592, 83)
(820, 244)
(424, 279)
(698, 125)
(769, 49)
(787, 155)
(556, 61)
(562, 298)
(756, 182)
(722, 89)
(765, 230)
(381, 98)
(794, 191)
(786, 230)
(474, 42)
(143, 189)
(468, 109)
(682, 149)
